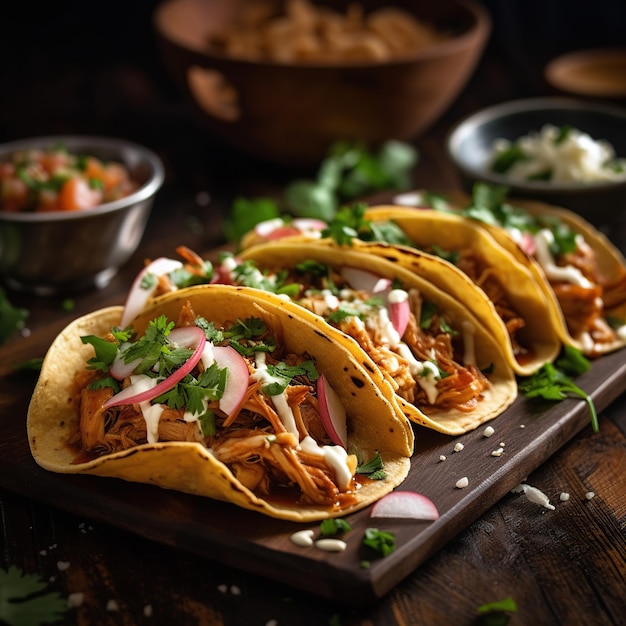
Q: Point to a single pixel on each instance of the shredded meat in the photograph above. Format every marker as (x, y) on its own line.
(253, 441)
(488, 280)
(585, 309)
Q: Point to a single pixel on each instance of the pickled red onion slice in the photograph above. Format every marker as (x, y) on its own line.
(186, 337)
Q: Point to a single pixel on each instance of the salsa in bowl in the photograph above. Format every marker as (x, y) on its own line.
(47, 247)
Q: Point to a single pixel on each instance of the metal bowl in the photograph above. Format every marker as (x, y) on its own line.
(65, 252)
(469, 147)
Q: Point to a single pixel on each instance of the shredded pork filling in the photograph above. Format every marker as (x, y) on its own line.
(253, 441)
(584, 308)
(459, 388)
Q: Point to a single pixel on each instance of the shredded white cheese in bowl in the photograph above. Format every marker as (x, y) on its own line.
(557, 155)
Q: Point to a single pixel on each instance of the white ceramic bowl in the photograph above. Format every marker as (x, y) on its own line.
(65, 252)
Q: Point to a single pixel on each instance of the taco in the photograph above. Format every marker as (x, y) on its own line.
(511, 302)
(448, 373)
(221, 392)
(581, 273)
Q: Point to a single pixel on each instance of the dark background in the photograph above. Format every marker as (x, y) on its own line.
(87, 67)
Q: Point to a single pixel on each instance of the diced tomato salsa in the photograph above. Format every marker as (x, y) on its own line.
(56, 180)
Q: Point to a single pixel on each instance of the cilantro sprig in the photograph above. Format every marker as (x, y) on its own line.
(284, 374)
(381, 541)
(373, 468)
(26, 600)
(350, 170)
(553, 381)
(489, 205)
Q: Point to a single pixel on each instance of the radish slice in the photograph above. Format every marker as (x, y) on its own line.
(266, 228)
(528, 244)
(119, 368)
(405, 505)
(139, 295)
(399, 309)
(362, 280)
(185, 337)
(309, 225)
(332, 412)
(237, 377)
(277, 228)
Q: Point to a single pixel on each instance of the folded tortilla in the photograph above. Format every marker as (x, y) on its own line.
(478, 353)
(593, 318)
(374, 424)
(511, 298)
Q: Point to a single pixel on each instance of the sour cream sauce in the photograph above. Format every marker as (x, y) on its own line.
(568, 273)
(151, 412)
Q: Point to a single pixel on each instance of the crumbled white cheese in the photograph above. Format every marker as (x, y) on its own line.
(43, 552)
(331, 545)
(222, 588)
(518, 489)
(303, 538)
(574, 157)
(458, 447)
(62, 565)
(522, 425)
(236, 591)
(538, 497)
(488, 431)
(497, 452)
(147, 610)
(462, 483)
(271, 622)
(112, 605)
(502, 444)
(442, 457)
(564, 497)
(590, 495)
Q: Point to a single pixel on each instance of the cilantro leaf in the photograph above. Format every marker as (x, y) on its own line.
(552, 383)
(106, 351)
(496, 613)
(381, 541)
(246, 214)
(26, 601)
(373, 469)
(286, 373)
(334, 526)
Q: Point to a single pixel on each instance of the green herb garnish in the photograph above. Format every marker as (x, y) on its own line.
(26, 600)
(496, 613)
(381, 541)
(373, 469)
(553, 382)
(334, 526)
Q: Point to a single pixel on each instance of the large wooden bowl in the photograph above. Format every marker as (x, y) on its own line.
(291, 113)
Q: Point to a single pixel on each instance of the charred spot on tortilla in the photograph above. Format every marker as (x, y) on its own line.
(323, 335)
(358, 382)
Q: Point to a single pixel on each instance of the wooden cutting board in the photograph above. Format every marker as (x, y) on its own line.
(530, 432)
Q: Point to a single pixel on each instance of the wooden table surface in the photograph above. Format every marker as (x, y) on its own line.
(566, 566)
